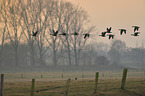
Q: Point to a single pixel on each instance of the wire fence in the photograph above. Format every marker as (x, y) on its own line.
(54, 83)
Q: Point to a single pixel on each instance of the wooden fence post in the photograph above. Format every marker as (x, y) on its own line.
(124, 78)
(32, 87)
(83, 76)
(67, 87)
(62, 76)
(22, 76)
(96, 81)
(2, 84)
(41, 76)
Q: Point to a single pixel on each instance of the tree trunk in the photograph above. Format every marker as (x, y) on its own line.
(16, 56)
(69, 54)
(2, 44)
(54, 58)
(32, 55)
(54, 53)
(42, 62)
(76, 59)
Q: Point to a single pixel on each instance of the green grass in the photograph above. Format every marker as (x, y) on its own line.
(79, 74)
(82, 87)
(52, 84)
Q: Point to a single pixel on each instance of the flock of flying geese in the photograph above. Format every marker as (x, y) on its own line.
(103, 34)
(136, 33)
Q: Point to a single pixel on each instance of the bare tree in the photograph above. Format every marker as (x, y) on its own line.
(2, 36)
(74, 19)
(42, 22)
(13, 29)
(44, 16)
(3, 21)
(78, 42)
(30, 13)
(53, 24)
(66, 11)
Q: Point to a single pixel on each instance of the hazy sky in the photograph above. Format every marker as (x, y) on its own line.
(117, 14)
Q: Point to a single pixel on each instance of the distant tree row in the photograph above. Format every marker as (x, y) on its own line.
(99, 54)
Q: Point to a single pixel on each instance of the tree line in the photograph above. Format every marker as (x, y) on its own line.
(19, 18)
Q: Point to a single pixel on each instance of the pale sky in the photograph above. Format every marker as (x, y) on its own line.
(117, 14)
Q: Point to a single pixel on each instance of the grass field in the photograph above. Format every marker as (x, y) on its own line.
(52, 84)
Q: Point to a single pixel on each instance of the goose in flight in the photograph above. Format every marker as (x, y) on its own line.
(135, 34)
(109, 30)
(86, 35)
(122, 30)
(64, 34)
(136, 28)
(103, 34)
(111, 36)
(54, 33)
(75, 33)
(34, 33)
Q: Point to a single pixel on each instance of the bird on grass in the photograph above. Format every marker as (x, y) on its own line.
(75, 33)
(86, 35)
(109, 30)
(103, 34)
(135, 34)
(34, 33)
(111, 36)
(64, 34)
(76, 78)
(122, 30)
(136, 28)
(54, 33)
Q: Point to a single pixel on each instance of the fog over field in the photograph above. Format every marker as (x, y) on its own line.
(70, 33)
(72, 47)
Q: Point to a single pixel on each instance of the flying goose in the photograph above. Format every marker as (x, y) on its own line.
(103, 34)
(136, 28)
(34, 33)
(111, 36)
(54, 33)
(109, 30)
(86, 35)
(122, 30)
(64, 34)
(75, 33)
(135, 34)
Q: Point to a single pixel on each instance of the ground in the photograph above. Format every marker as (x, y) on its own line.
(54, 84)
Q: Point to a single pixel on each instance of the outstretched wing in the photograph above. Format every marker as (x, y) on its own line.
(88, 35)
(85, 36)
(125, 31)
(103, 33)
(36, 32)
(53, 31)
(109, 30)
(135, 28)
(56, 32)
(112, 36)
(109, 36)
(121, 32)
(136, 34)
